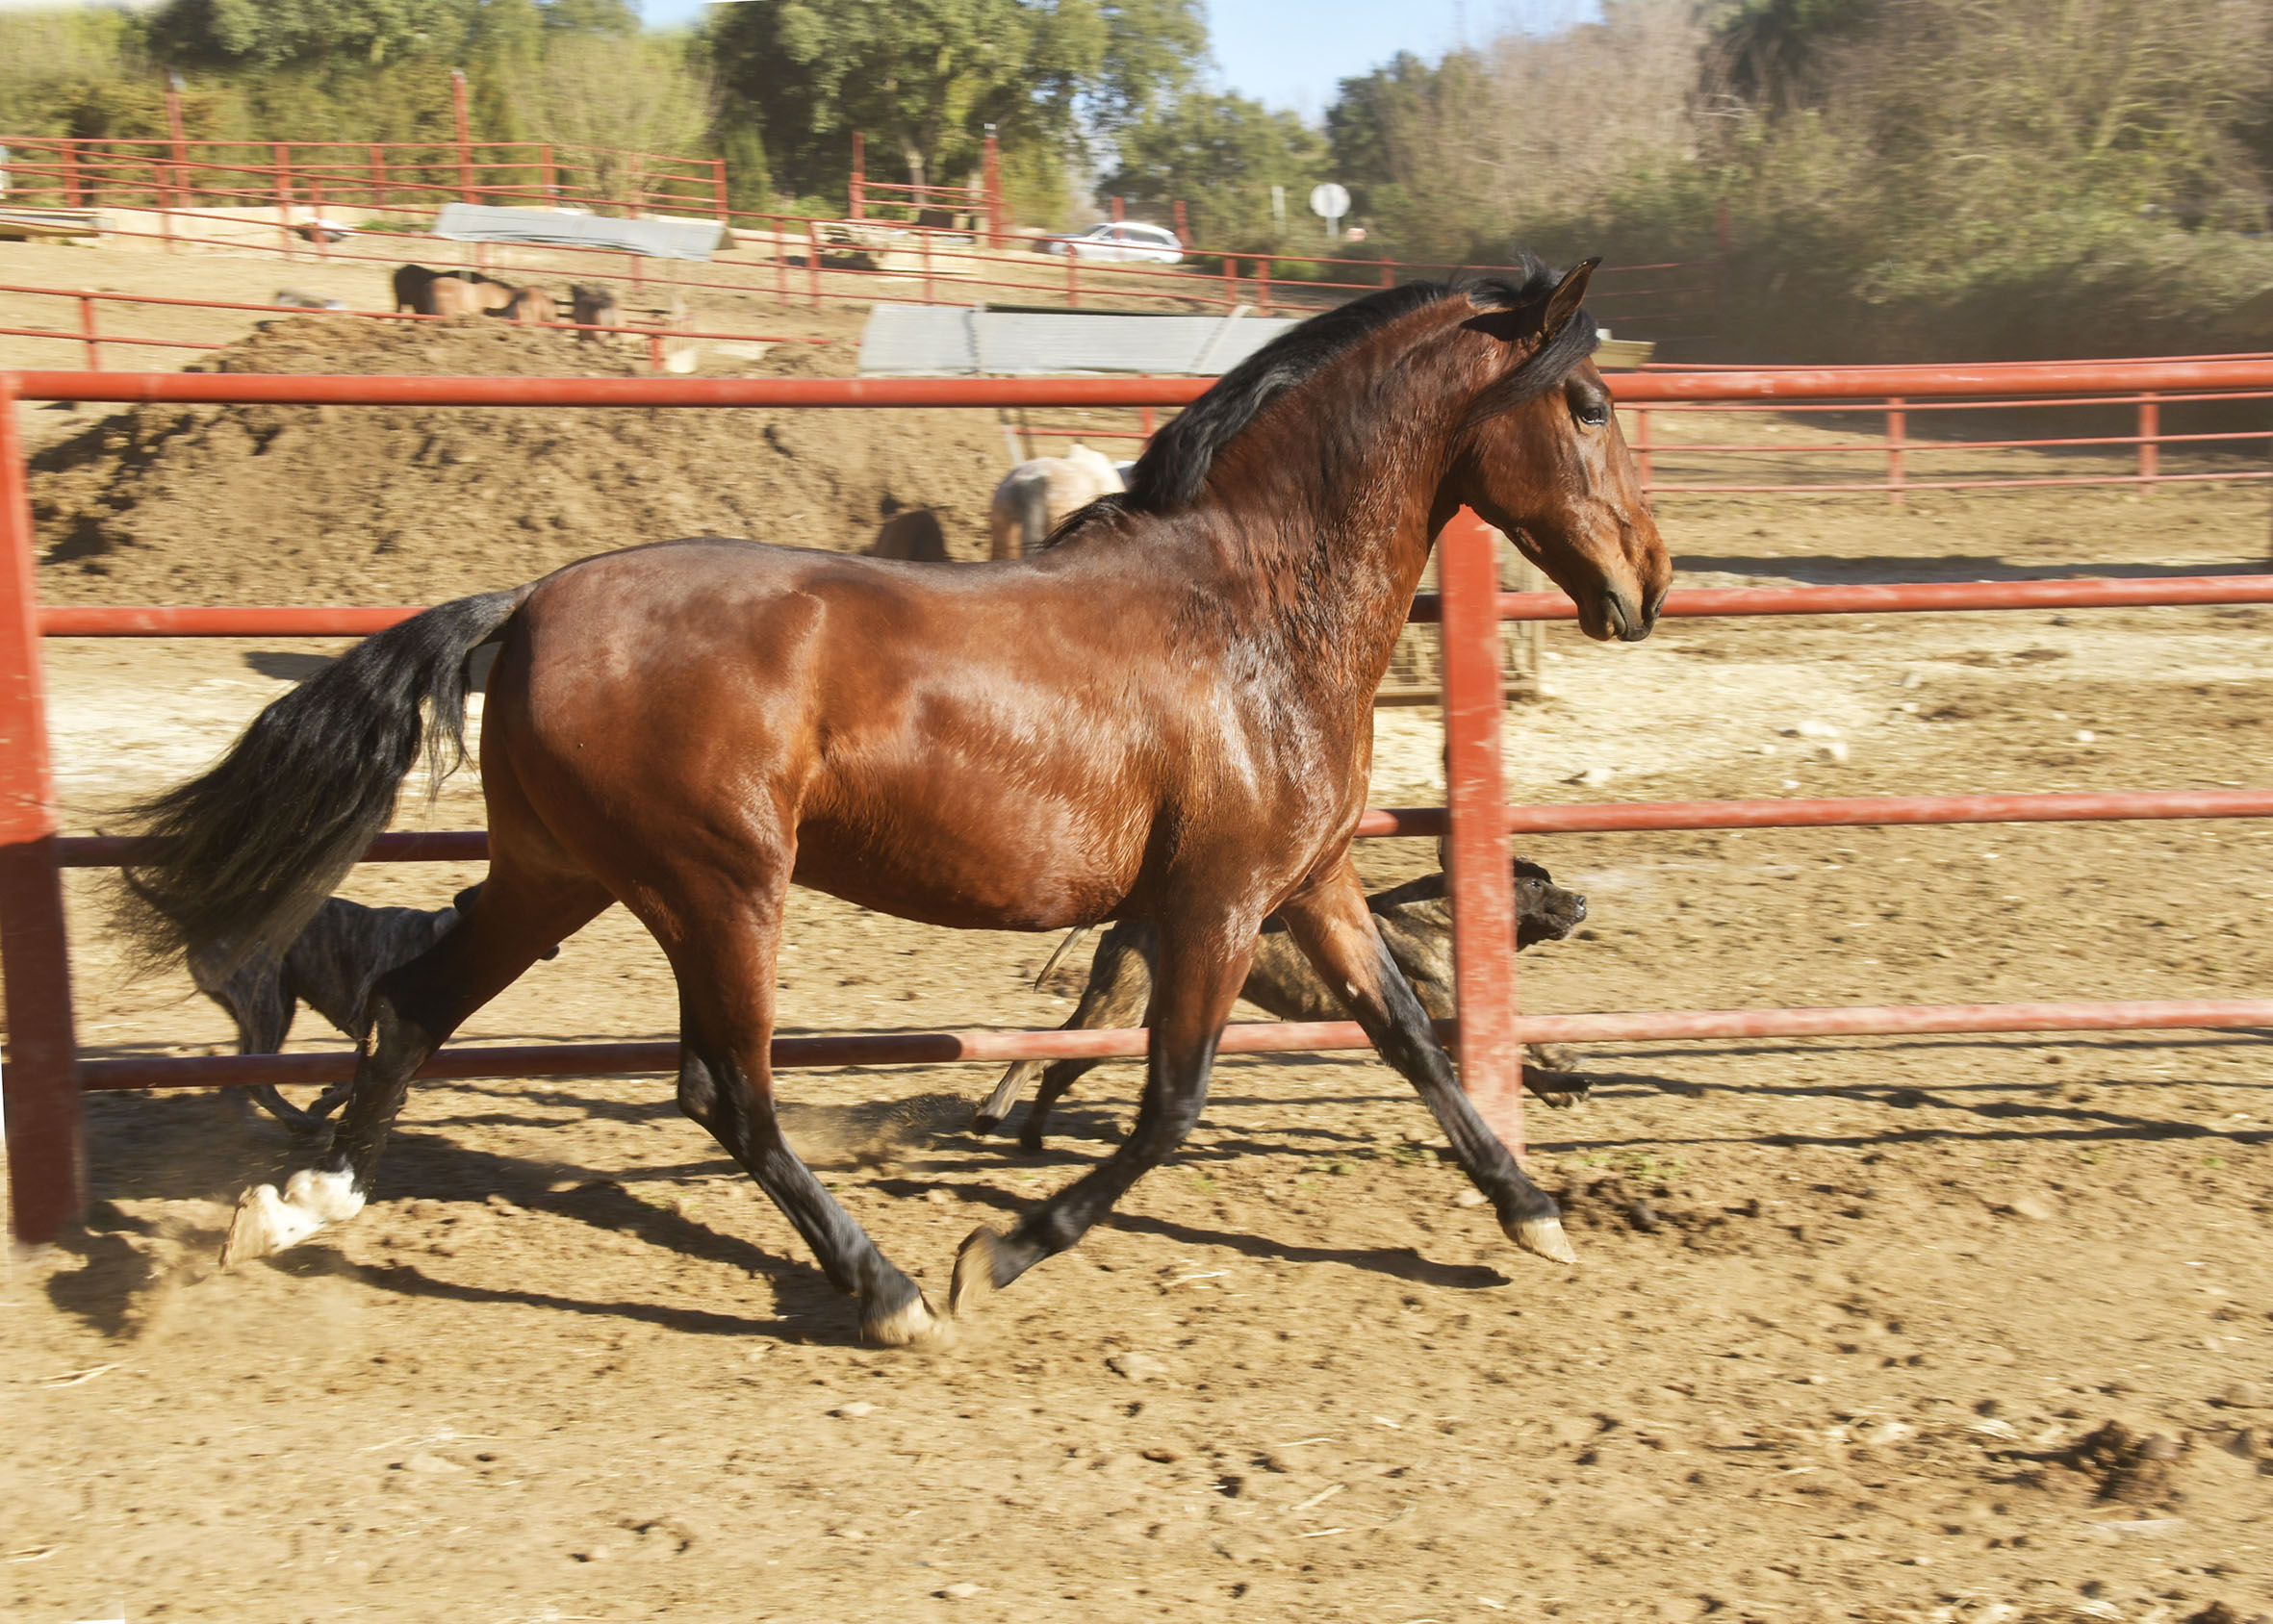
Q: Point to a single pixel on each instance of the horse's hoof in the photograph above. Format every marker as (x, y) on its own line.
(911, 1325)
(263, 1226)
(1542, 1235)
(974, 1271)
(983, 1121)
(267, 1223)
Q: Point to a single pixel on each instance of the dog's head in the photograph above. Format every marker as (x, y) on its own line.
(1545, 912)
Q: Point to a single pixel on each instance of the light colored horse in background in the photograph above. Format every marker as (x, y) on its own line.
(1035, 498)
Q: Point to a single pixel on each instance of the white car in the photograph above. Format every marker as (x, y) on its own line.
(1122, 241)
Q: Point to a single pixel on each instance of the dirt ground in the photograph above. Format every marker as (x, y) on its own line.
(1927, 1330)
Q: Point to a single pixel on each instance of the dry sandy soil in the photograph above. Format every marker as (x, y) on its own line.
(1881, 1330)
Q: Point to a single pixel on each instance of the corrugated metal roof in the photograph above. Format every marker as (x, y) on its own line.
(943, 340)
(656, 238)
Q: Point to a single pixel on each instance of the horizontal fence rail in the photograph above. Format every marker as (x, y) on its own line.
(471, 1061)
(2044, 378)
(470, 846)
(92, 336)
(1920, 597)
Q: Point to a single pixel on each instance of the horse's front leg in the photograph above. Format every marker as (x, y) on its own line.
(1202, 965)
(1334, 929)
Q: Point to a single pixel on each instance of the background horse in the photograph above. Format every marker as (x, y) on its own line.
(1167, 716)
(1042, 492)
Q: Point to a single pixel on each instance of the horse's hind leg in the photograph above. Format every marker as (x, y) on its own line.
(414, 1008)
(1114, 995)
(1201, 967)
(1334, 929)
(725, 967)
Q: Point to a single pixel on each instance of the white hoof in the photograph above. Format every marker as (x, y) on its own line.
(267, 1223)
(1544, 1236)
(974, 1272)
(914, 1325)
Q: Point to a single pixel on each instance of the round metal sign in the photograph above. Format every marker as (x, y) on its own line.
(1330, 201)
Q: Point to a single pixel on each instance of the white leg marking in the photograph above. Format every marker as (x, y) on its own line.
(268, 1223)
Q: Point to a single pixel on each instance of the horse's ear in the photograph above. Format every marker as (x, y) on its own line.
(1540, 317)
(1568, 294)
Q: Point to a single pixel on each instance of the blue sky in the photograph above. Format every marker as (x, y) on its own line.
(1292, 53)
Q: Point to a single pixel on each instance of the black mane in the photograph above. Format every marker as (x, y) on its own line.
(1175, 466)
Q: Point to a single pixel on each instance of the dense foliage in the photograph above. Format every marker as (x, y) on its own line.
(1843, 177)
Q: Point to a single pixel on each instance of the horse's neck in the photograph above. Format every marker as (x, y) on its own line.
(1330, 566)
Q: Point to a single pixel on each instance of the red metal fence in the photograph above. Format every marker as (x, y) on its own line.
(172, 174)
(92, 338)
(45, 1076)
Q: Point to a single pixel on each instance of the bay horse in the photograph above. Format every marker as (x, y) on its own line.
(1167, 716)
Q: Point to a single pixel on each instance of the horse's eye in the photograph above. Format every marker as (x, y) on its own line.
(1593, 413)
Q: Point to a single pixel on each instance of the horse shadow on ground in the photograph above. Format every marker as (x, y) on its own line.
(219, 1144)
(197, 1148)
(283, 666)
(1399, 1263)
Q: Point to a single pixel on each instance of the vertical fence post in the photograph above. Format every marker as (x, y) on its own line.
(718, 190)
(1182, 225)
(1263, 287)
(282, 154)
(1483, 895)
(1642, 448)
(990, 185)
(813, 260)
(465, 133)
(2150, 437)
(378, 175)
(88, 334)
(176, 131)
(548, 179)
(1231, 283)
(46, 1154)
(858, 201)
(780, 236)
(1073, 278)
(924, 240)
(72, 193)
(1119, 209)
(1896, 428)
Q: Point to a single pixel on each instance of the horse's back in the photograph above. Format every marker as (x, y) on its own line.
(903, 715)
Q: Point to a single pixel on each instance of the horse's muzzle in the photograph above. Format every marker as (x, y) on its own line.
(1626, 622)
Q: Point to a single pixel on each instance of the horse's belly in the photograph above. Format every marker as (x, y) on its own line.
(1012, 866)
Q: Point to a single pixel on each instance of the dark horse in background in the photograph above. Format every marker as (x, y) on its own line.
(1167, 716)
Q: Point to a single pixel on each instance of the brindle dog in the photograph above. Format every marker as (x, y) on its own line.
(331, 967)
(1414, 919)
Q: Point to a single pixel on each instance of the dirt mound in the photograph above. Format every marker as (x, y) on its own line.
(266, 504)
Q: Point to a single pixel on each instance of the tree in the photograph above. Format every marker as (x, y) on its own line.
(638, 93)
(1220, 154)
(924, 79)
(921, 78)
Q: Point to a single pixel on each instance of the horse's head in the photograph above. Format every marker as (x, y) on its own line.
(1540, 455)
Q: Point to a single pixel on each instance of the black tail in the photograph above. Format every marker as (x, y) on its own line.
(251, 849)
